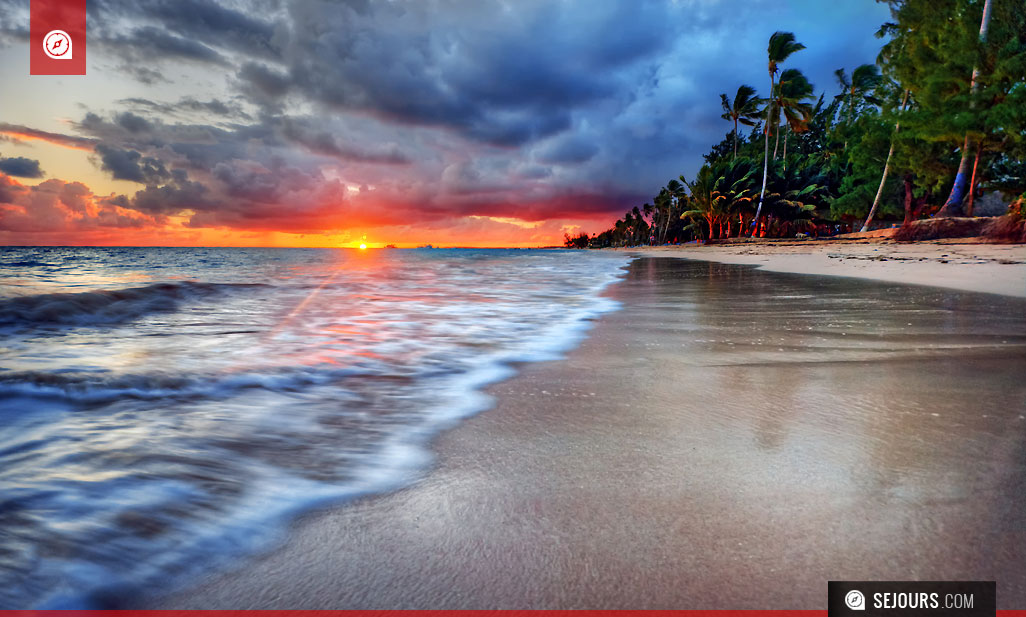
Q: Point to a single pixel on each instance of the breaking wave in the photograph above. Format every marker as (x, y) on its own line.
(104, 307)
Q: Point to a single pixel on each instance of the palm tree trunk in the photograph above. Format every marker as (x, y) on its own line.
(851, 110)
(972, 183)
(879, 191)
(953, 206)
(776, 141)
(908, 199)
(735, 139)
(887, 166)
(666, 225)
(765, 163)
(786, 131)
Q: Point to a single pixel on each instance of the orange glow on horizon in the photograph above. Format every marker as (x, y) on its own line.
(19, 133)
(56, 212)
(174, 235)
(78, 217)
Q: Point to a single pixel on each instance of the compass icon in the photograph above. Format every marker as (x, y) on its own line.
(57, 45)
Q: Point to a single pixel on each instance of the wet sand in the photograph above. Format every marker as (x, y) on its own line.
(732, 438)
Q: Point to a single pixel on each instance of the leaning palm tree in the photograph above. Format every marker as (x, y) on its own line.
(864, 79)
(669, 198)
(663, 203)
(744, 109)
(781, 46)
(887, 167)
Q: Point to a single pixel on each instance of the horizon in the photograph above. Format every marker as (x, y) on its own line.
(476, 125)
(264, 246)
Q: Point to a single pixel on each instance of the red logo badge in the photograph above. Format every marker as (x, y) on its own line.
(58, 37)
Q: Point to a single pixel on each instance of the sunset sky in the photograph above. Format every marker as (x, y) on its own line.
(311, 123)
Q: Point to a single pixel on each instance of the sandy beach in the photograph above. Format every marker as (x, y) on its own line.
(731, 438)
(968, 265)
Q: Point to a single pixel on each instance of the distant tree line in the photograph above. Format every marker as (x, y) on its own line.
(937, 121)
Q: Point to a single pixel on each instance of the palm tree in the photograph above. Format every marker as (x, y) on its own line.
(647, 211)
(864, 79)
(640, 226)
(620, 231)
(744, 109)
(720, 192)
(793, 194)
(886, 169)
(790, 99)
(667, 201)
(953, 205)
(737, 184)
(706, 199)
(781, 46)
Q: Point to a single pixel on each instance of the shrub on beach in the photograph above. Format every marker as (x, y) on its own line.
(1010, 228)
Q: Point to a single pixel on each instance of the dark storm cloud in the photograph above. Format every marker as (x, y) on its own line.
(212, 23)
(130, 165)
(14, 23)
(493, 74)
(189, 29)
(162, 139)
(200, 147)
(133, 123)
(21, 167)
(153, 43)
(305, 133)
(142, 74)
(213, 107)
(573, 150)
(177, 195)
(264, 85)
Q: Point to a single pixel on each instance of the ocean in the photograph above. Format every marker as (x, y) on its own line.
(164, 411)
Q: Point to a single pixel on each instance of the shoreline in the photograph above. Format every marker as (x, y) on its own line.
(951, 264)
(645, 470)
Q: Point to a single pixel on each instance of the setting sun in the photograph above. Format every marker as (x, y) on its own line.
(363, 246)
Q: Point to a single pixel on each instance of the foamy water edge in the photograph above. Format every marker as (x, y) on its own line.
(259, 521)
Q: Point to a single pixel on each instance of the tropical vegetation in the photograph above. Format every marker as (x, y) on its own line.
(937, 121)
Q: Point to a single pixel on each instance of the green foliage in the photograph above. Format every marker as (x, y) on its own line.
(795, 192)
(917, 99)
(860, 177)
(744, 110)
(781, 46)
